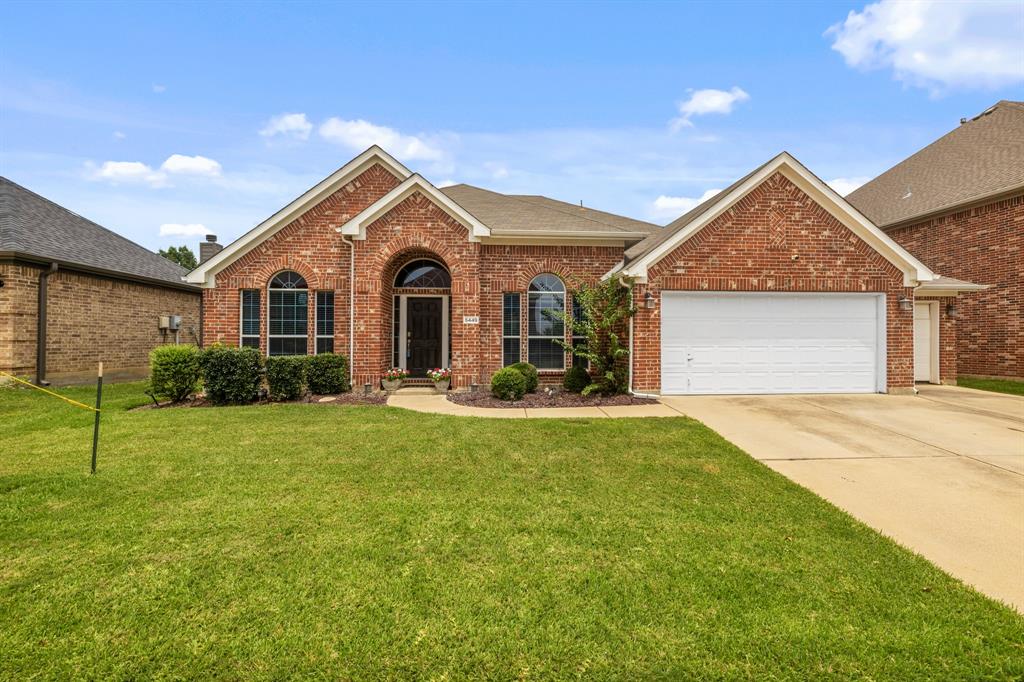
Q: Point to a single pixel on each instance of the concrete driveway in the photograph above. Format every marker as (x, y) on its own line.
(941, 473)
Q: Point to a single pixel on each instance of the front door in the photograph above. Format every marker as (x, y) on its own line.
(423, 331)
(923, 361)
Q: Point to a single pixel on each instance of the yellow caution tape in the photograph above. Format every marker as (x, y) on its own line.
(55, 395)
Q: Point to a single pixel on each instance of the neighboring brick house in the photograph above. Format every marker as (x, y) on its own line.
(958, 204)
(379, 264)
(103, 296)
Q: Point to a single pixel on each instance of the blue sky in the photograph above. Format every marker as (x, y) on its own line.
(162, 121)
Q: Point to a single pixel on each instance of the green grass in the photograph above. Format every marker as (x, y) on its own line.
(998, 385)
(372, 543)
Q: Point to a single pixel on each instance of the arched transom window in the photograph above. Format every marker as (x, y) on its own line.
(545, 298)
(288, 312)
(423, 274)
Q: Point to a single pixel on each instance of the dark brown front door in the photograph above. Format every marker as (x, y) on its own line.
(424, 334)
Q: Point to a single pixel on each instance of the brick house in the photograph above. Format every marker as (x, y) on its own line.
(958, 204)
(89, 294)
(775, 285)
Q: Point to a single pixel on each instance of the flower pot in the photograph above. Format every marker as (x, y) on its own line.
(391, 385)
(442, 386)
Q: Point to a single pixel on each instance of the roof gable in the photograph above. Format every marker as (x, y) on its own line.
(356, 227)
(648, 252)
(205, 274)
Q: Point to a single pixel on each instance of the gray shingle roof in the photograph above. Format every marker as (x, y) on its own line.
(981, 158)
(505, 213)
(33, 226)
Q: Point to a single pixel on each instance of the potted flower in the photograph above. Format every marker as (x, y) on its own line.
(393, 379)
(442, 378)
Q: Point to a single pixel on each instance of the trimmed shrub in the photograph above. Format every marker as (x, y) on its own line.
(231, 375)
(529, 373)
(327, 373)
(576, 379)
(508, 384)
(286, 376)
(174, 372)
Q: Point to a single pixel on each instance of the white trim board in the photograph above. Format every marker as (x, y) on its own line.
(205, 273)
(356, 227)
(914, 271)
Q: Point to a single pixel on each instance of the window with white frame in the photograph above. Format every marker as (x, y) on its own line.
(288, 316)
(324, 322)
(578, 339)
(545, 298)
(510, 329)
(250, 318)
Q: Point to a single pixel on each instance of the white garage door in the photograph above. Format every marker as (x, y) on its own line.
(772, 343)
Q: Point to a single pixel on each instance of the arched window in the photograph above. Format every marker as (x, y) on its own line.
(288, 311)
(545, 297)
(423, 274)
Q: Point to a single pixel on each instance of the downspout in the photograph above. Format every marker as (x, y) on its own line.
(351, 310)
(629, 381)
(41, 326)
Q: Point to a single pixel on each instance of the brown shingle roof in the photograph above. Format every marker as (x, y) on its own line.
(33, 226)
(512, 213)
(983, 157)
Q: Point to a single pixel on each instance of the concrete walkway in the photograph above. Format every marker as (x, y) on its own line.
(427, 401)
(941, 473)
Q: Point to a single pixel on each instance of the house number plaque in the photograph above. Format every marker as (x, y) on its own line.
(470, 319)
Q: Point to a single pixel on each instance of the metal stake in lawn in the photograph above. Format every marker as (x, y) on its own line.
(96, 424)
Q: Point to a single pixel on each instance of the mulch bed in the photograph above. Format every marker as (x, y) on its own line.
(339, 399)
(541, 399)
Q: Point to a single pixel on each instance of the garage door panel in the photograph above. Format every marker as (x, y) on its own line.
(770, 343)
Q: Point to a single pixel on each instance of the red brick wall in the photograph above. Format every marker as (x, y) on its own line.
(774, 239)
(89, 319)
(414, 228)
(981, 245)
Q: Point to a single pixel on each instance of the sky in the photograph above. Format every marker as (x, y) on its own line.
(168, 121)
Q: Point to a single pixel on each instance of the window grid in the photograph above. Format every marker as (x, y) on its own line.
(288, 315)
(545, 297)
(324, 322)
(578, 339)
(250, 318)
(510, 334)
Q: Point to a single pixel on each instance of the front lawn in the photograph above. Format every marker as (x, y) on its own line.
(998, 385)
(371, 543)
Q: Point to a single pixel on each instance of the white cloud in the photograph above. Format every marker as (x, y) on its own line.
(295, 126)
(360, 134)
(709, 101)
(183, 230)
(844, 186)
(497, 170)
(191, 165)
(118, 135)
(159, 88)
(125, 172)
(673, 207)
(446, 183)
(937, 45)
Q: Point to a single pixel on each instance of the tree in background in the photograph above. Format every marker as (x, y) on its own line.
(182, 255)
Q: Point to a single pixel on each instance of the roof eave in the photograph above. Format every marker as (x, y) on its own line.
(981, 200)
(23, 257)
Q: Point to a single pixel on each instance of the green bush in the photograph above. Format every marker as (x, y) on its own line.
(576, 379)
(231, 375)
(327, 373)
(286, 376)
(529, 373)
(508, 384)
(174, 372)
